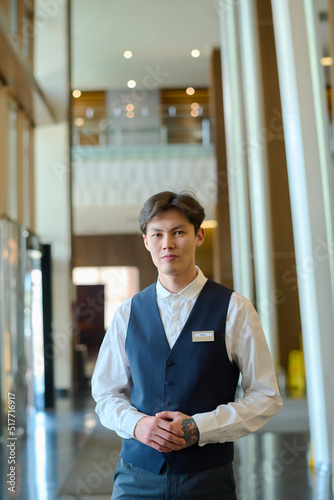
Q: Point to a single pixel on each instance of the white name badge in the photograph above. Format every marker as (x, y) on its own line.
(205, 336)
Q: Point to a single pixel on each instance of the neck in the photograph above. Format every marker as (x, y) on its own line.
(175, 284)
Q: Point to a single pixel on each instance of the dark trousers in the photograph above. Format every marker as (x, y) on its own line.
(132, 482)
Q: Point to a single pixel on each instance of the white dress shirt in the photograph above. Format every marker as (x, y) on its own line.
(245, 344)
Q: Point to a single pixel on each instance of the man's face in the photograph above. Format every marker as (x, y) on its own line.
(172, 242)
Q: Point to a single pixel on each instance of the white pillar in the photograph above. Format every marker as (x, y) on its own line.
(258, 174)
(308, 171)
(236, 161)
(52, 177)
(53, 227)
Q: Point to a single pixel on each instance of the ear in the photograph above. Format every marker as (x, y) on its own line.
(200, 236)
(146, 242)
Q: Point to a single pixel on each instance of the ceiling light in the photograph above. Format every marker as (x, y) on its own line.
(145, 111)
(130, 107)
(207, 224)
(131, 84)
(195, 53)
(326, 61)
(130, 114)
(194, 113)
(127, 54)
(76, 93)
(195, 105)
(79, 122)
(190, 91)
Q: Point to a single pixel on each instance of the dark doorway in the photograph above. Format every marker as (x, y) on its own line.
(90, 327)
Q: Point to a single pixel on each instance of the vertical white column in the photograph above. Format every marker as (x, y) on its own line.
(52, 181)
(257, 172)
(307, 159)
(236, 162)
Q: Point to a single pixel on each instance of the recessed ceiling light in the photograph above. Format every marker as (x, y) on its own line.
(79, 122)
(130, 107)
(194, 112)
(127, 54)
(207, 224)
(130, 114)
(76, 93)
(190, 91)
(195, 53)
(131, 84)
(326, 61)
(194, 105)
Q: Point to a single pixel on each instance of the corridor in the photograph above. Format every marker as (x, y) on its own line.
(69, 455)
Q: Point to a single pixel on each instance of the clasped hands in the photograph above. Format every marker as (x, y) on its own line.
(167, 431)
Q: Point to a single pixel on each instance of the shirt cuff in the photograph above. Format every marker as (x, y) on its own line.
(130, 421)
(208, 428)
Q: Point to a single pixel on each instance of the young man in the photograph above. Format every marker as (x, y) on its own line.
(168, 368)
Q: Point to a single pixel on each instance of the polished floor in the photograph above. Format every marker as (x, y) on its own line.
(269, 465)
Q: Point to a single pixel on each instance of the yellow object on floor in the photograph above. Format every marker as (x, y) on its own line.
(296, 374)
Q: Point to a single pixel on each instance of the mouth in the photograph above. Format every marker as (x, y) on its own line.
(169, 257)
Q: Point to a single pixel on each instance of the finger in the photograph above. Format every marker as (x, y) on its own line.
(169, 434)
(172, 428)
(166, 415)
(163, 449)
(172, 443)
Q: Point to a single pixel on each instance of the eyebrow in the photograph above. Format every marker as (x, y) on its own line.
(172, 229)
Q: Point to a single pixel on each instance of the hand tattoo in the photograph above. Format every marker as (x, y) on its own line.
(190, 429)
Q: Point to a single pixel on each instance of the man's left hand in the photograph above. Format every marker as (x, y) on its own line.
(183, 422)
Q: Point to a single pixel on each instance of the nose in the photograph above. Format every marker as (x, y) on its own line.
(168, 241)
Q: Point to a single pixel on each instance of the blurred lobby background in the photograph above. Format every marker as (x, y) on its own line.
(105, 103)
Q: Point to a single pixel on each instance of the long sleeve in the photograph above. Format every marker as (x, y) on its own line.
(111, 381)
(247, 347)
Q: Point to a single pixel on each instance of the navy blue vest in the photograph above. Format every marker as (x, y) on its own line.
(192, 377)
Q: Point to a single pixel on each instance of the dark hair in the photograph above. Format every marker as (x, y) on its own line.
(187, 204)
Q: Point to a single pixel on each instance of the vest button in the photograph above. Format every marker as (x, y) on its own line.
(168, 382)
(166, 403)
(170, 363)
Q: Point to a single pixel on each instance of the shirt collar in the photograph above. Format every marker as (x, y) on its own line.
(191, 291)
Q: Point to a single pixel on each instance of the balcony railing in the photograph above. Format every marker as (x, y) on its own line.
(177, 124)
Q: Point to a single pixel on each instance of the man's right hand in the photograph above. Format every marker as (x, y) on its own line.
(158, 433)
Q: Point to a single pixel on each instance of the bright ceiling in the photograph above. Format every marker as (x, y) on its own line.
(161, 35)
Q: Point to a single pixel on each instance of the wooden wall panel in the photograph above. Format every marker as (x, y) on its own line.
(115, 250)
(222, 236)
(129, 250)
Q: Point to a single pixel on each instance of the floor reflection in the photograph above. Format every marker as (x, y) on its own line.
(267, 465)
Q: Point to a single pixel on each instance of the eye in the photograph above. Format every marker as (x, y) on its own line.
(179, 232)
